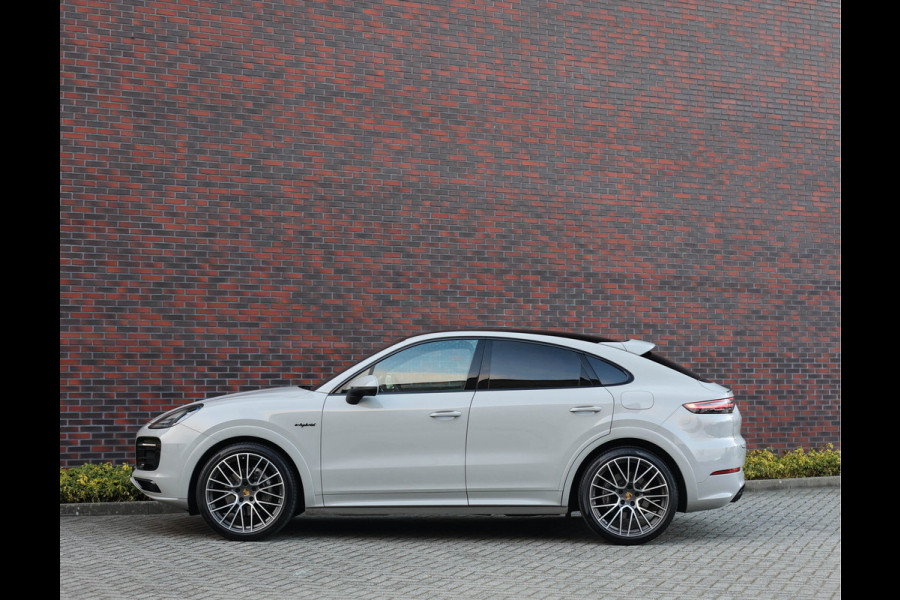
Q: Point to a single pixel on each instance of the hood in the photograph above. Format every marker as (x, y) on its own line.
(294, 392)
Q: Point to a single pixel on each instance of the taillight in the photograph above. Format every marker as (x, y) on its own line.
(711, 407)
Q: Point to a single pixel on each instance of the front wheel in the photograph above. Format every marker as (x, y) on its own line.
(628, 496)
(246, 492)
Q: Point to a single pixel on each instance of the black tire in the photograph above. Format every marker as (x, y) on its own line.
(628, 496)
(246, 492)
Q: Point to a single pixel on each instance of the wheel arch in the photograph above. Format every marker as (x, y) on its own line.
(198, 467)
(630, 443)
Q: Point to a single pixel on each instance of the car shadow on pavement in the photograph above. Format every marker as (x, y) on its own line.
(687, 528)
(448, 527)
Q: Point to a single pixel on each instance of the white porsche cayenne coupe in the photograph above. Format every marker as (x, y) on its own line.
(464, 422)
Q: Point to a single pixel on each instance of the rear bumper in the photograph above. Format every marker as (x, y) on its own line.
(717, 491)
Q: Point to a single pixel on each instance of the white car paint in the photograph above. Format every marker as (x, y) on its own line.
(473, 450)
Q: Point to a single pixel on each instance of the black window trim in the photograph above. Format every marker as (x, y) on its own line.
(479, 376)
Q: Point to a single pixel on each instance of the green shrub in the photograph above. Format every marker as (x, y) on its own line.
(765, 464)
(97, 483)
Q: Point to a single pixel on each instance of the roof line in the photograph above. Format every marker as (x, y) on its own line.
(585, 337)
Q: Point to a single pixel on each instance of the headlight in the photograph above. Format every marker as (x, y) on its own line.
(168, 419)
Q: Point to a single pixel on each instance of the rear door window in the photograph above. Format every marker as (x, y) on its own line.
(525, 365)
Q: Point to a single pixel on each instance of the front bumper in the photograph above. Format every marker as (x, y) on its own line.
(162, 471)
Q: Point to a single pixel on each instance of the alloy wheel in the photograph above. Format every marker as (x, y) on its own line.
(628, 496)
(244, 493)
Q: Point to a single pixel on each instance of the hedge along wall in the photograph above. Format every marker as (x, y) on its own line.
(256, 194)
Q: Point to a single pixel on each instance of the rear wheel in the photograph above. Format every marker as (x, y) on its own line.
(246, 492)
(628, 495)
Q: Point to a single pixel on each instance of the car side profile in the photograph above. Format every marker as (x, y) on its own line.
(462, 422)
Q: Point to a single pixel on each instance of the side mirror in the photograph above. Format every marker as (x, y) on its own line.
(367, 386)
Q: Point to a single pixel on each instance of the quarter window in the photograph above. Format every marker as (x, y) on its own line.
(607, 373)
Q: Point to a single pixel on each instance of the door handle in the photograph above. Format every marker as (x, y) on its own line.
(445, 415)
(585, 409)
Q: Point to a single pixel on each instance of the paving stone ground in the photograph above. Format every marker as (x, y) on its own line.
(771, 544)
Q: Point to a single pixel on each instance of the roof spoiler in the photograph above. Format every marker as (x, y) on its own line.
(639, 347)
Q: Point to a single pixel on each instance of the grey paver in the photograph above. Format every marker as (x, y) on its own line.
(771, 544)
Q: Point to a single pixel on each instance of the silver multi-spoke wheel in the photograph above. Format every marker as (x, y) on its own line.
(246, 492)
(628, 496)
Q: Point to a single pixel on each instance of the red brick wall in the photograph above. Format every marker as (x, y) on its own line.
(255, 194)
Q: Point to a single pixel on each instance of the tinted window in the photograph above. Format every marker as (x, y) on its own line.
(518, 365)
(607, 373)
(430, 367)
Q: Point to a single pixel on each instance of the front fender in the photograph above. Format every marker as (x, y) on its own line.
(306, 465)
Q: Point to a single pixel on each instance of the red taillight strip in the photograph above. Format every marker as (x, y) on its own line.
(726, 471)
(723, 405)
